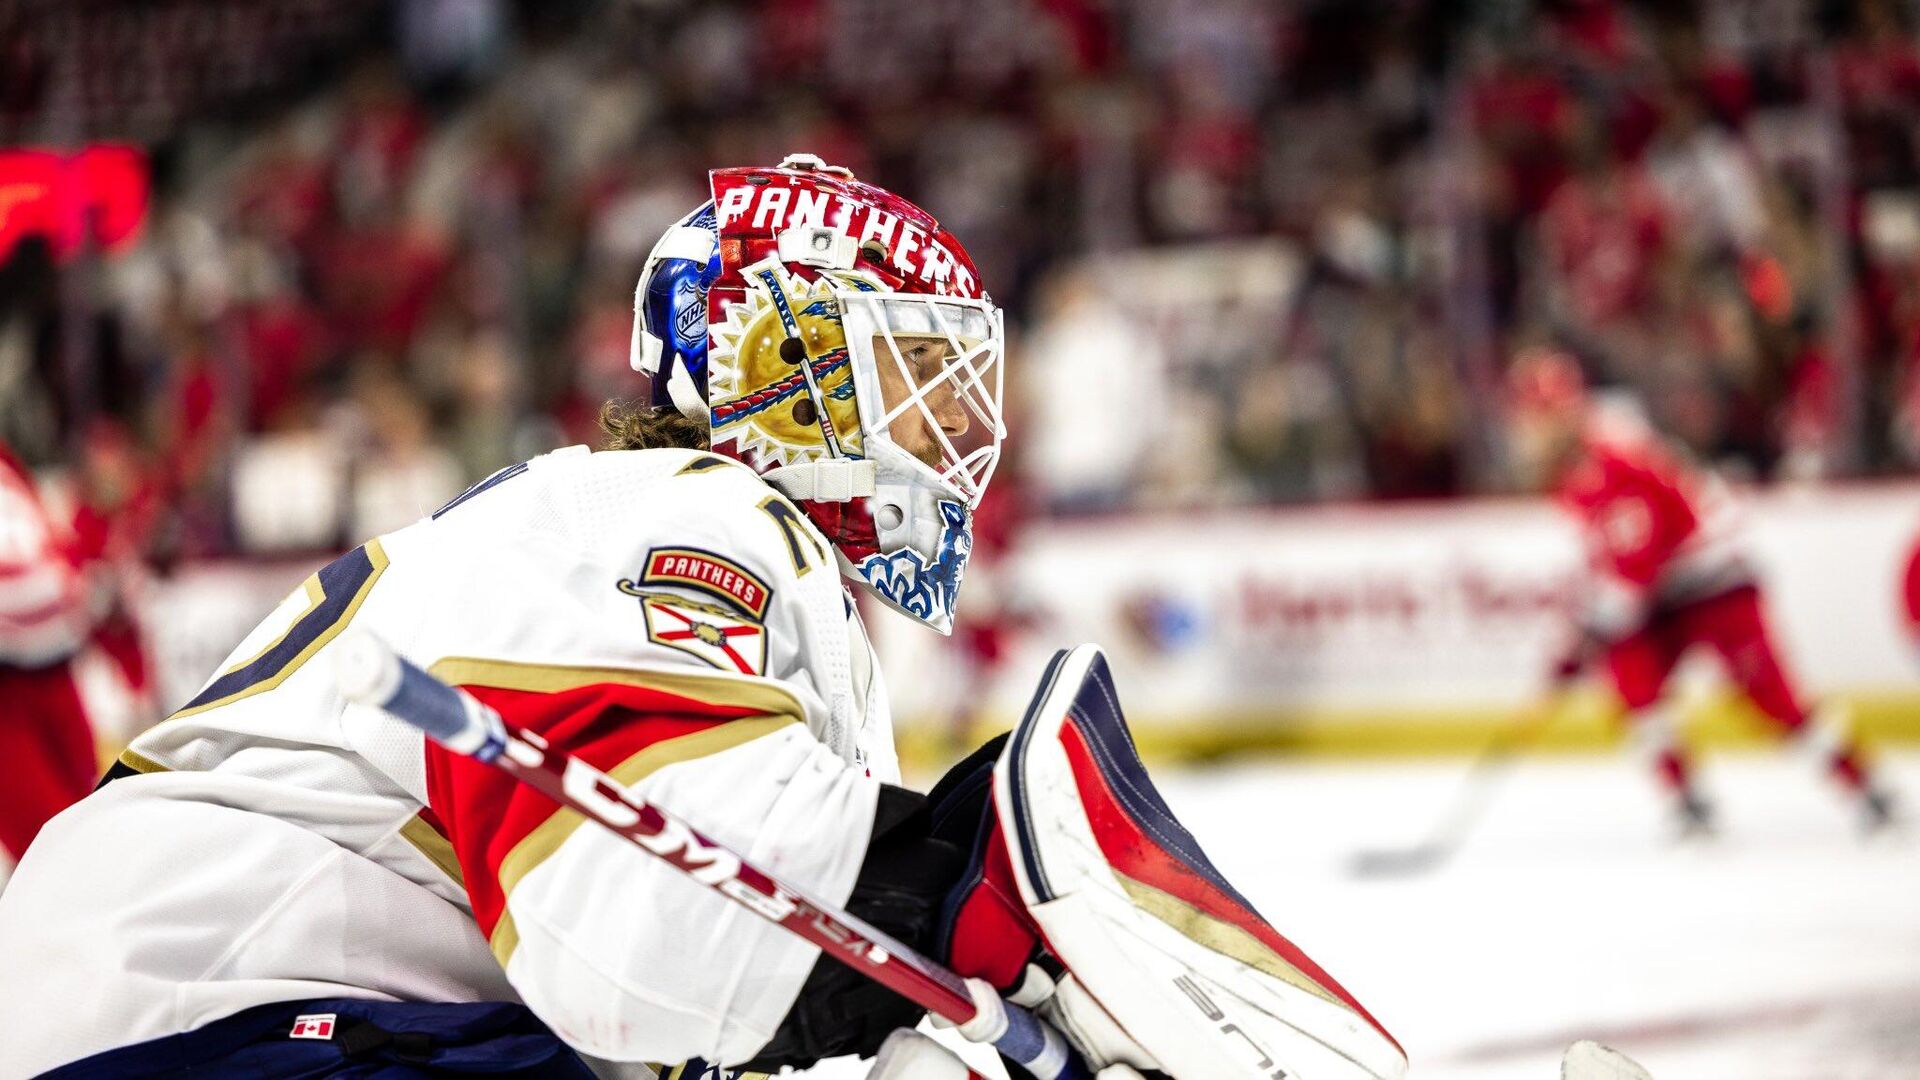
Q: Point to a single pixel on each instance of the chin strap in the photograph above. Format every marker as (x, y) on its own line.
(833, 480)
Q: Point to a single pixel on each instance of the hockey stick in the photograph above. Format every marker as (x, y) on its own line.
(1475, 793)
(371, 673)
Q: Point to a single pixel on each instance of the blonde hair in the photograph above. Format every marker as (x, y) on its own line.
(634, 426)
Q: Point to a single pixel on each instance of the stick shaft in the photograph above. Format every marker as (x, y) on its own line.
(1470, 798)
(573, 783)
(371, 673)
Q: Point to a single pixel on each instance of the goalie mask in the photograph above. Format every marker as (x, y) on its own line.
(837, 341)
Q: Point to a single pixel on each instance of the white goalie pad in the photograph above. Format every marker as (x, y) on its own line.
(1128, 902)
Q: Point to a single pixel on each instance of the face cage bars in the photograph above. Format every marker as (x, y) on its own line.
(969, 369)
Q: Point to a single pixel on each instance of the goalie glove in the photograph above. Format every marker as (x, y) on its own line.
(1166, 967)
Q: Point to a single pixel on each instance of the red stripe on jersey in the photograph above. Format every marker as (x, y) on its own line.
(1132, 852)
(485, 813)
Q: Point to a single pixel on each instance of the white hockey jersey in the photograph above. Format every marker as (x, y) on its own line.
(664, 614)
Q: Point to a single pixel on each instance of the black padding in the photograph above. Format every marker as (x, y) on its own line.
(902, 887)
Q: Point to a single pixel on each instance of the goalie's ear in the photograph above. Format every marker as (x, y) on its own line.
(1127, 901)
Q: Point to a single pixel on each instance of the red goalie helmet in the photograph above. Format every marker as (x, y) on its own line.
(837, 340)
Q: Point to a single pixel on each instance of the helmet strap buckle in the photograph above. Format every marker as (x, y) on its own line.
(834, 480)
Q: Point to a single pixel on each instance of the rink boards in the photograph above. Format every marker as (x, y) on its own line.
(1413, 628)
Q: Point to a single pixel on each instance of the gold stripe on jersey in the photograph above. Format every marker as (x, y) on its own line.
(139, 762)
(437, 849)
(760, 696)
(546, 838)
(506, 937)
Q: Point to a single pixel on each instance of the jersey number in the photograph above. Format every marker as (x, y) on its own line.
(794, 528)
(333, 595)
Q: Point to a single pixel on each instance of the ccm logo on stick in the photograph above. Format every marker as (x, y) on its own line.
(662, 835)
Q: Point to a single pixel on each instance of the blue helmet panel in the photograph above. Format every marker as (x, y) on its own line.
(675, 309)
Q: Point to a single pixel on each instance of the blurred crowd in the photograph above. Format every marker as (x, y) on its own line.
(391, 247)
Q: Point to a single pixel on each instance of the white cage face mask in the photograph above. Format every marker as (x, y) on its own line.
(930, 381)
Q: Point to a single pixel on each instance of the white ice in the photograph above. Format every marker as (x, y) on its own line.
(1786, 948)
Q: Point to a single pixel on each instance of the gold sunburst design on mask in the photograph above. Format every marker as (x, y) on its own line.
(761, 400)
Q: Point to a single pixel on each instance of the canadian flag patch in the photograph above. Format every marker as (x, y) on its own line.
(715, 635)
(312, 1026)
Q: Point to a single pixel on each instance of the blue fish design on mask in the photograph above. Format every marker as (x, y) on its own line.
(925, 589)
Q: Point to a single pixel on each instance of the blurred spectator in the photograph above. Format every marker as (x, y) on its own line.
(1716, 205)
(402, 474)
(1097, 405)
(289, 487)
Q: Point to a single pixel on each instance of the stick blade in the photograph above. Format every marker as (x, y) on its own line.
(1588, 1060)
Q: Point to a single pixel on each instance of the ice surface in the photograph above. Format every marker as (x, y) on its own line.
(1785, 949)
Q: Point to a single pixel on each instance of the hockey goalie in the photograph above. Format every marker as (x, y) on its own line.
(275, 882)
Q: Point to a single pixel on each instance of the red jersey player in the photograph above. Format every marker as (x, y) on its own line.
(1665, 575)
(44, 737)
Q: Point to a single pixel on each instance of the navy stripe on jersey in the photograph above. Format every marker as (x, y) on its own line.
(503, 475)
(342, 584)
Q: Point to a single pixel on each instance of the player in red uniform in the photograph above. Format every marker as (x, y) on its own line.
(44, 737)
(1665, 575)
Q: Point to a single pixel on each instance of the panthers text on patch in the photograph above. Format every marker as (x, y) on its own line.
(708, 573)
